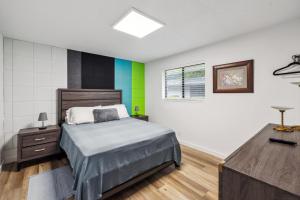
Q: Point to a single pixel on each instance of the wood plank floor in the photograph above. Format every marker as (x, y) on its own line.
(196, 179)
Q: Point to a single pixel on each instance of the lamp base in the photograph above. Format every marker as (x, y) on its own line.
(43, 127)
(284, 128)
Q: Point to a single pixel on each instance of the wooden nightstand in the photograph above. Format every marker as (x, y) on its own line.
(141, 117)
(34, 143)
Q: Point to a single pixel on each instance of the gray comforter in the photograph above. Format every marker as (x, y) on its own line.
(103, 155)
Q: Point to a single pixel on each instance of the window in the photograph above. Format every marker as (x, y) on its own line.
(185, 82)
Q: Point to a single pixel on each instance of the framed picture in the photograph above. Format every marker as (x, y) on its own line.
(233, 77)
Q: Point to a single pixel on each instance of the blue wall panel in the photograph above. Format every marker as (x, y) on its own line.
(123, 76)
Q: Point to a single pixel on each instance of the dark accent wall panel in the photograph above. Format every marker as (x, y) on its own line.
(74, 69)
(97, 72)
(92, 71)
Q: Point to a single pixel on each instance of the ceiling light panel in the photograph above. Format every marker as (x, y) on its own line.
(137, 24)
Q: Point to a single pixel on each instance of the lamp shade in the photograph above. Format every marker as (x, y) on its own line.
(43, 116)
(282, 108)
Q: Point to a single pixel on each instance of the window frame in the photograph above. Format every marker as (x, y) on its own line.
(164, 83)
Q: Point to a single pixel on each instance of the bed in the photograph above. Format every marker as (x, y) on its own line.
(110, 156)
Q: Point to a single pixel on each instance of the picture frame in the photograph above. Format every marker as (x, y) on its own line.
(237, 77)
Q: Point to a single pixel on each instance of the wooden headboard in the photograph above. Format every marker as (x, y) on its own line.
(68, 98)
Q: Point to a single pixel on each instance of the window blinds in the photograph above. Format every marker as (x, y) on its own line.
(173, 78)
(185, 82)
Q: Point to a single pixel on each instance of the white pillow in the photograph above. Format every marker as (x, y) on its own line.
(68, 116)
(79, 115)
(122, 111)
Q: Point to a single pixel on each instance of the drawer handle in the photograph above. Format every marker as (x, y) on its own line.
(39, 139)
(37, 150)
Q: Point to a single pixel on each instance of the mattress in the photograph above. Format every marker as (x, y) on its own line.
(104, 155)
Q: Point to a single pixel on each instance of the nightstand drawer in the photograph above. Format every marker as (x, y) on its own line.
(39, 139)
(39, 150)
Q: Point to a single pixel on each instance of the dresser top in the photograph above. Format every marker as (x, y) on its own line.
(36, 130)
(273, 163)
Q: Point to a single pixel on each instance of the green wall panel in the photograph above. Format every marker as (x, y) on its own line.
(138, 87)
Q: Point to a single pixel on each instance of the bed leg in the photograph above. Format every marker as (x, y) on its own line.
(177, 166)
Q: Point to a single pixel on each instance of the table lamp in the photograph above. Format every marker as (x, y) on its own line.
(43, 117)
(136, 109)
(282, 127)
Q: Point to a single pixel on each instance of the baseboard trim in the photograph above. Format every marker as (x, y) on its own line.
(203, 149)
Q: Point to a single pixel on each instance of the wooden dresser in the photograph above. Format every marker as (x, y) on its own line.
(34, 143)
(261, 170)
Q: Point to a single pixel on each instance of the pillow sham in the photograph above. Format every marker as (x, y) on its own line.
(105, 115)
(122, 111)
(68, 116)
(79, 115)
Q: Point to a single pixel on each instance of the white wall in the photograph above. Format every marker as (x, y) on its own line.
(222, 122)
(1, 99)
(32, 73)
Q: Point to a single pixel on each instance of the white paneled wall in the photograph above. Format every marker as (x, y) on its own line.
(32, 73)
(1, 98)
(220, 123)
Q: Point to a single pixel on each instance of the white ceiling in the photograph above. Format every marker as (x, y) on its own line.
(86, 25)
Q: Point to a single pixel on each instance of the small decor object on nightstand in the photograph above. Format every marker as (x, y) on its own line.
(43, 117)
(282, 127)
(136, 109)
